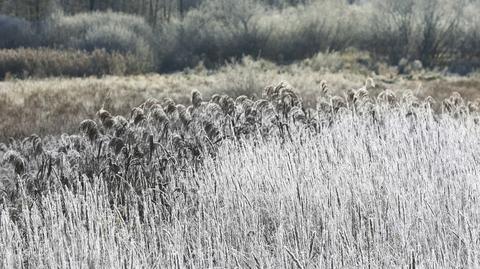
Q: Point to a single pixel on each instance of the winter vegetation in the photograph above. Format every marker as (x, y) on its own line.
(140, 134)
(53, 106)
(25, 63)
(170, 35)
(357, 181)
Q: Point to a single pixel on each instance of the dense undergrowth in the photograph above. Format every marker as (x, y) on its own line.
(357, 181)
(27, 63)
(436, 33)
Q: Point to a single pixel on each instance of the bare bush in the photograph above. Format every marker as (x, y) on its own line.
(25, 63)
(15, 32)
(114, 32)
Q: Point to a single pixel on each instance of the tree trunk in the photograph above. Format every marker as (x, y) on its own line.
(180, 8)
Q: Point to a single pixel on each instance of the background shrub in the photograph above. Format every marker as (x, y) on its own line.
(113, 32)
(15, 32)
(23, 63)
(219, 30)
(300, 32)
(438, 33)
(215, 32)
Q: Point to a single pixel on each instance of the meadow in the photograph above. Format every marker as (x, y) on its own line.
(56, 105)
(358, 180)
(239, 134)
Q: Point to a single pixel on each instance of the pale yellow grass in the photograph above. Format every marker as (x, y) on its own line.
(52, 106)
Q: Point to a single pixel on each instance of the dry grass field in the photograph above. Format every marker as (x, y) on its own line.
(57, 105)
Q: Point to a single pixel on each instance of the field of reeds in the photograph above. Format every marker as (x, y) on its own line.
(142, 134)
(362, 178)
(52, 106)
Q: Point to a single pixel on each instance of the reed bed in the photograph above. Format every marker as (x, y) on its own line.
(358, 181)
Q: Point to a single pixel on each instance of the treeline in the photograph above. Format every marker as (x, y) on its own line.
(438, 33)
(154, 11)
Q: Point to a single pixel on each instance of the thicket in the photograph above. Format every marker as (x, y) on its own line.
(79, 45)
(438, 33)
(114, 32)
(24, 63)
(15, 32)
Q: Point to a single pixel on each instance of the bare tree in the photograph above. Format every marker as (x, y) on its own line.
(91, 5)
(392, 28)
(438, 26)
